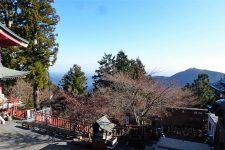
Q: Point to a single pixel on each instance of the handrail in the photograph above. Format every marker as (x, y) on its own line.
(60, 122)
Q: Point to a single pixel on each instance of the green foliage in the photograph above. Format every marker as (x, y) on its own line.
(106, 66)
(110, 64)
(137, 69)
(38, 74)
(74, 81)
(29, 103)
(7, 11)
(122, 62)
(34, 21)
(202, 90)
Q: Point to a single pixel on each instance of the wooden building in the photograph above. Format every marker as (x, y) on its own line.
(186, 117)
(190, 123)
(8, 39)
(219, 109)
(219, 88)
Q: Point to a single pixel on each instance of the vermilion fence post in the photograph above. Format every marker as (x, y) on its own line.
(57, 124)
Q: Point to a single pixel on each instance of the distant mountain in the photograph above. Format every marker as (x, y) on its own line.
(160, 78)
(188, 76)
(56, 78)
(180, 78)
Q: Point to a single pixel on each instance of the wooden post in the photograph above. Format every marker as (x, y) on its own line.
(1, 88)
(57, 123)
(70, 124)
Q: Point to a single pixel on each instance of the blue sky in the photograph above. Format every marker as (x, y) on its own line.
(167, 35)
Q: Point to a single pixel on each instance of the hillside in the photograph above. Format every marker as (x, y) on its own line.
(188, 76)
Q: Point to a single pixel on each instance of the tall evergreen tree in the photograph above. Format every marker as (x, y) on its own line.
(8, 11)
(137, 69)
(110, 64)
(74, 80)
(107, 65)
(122, 63)
(35, 21)
(202, 90)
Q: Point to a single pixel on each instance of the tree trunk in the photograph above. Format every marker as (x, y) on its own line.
(36, 97)
(137, 119)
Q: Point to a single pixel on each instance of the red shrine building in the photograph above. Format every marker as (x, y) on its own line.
(8, 39)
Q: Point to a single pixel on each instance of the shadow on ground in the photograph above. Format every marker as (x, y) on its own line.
(18, 140)
(36, 141)
(69, 146)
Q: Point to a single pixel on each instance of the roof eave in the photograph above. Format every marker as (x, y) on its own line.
(12, 36)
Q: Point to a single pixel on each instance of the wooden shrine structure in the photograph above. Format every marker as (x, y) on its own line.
(7, 39)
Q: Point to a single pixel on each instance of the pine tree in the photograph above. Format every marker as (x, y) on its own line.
(74, 80)
(8, 11)
(107, 65)
(202, 90)
(137, 69)
(110, 64)
(122, 63)
(35, 21)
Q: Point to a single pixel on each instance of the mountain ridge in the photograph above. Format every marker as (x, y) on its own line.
(180, 78)
(188, 76)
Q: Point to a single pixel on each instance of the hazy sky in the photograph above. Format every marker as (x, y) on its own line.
(167, 35)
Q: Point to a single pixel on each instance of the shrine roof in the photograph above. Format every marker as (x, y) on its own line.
(105, 124)
(6, 73)
(218, 86)
(9, 38)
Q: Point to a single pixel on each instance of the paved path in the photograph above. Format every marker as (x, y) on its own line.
(13, 137)
(176, 144)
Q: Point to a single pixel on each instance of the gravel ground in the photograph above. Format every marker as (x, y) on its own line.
(13, 137)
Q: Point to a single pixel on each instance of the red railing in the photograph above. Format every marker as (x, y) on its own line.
(21, 113)
(17, 112)
(60, 122)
